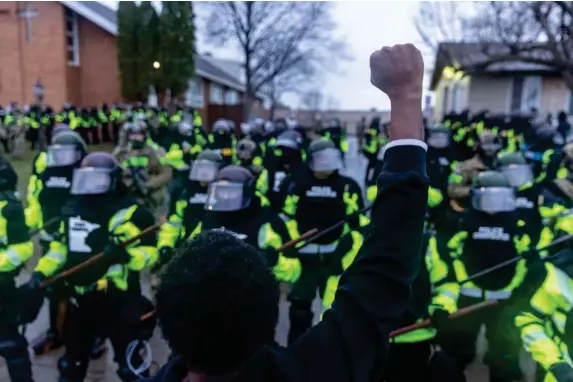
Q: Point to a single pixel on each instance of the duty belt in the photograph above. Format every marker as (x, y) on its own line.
(485, 294)
(318, 249)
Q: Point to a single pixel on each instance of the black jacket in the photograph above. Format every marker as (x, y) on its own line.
(351, 342)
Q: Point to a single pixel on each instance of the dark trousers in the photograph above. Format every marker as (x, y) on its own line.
(14, 349)
(315, 272)
(97, 314)
(504, 344)
(84, 133)
(408, 362)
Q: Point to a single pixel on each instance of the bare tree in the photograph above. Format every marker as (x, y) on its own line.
(532, 32)
(274, 37)
(313, 100)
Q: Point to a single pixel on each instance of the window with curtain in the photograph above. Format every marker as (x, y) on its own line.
(216, 97)
(231, 97)
(194, 95)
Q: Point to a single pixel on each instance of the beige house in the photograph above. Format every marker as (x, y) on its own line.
(501, 88)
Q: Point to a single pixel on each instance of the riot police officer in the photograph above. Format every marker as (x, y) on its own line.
(317, 198)
(51, 192)
(103, 302)
(222, 140)
(15, 249)
(190, 206)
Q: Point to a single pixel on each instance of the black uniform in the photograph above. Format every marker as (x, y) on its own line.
(351, 341)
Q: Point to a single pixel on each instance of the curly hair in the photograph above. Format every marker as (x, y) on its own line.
(217, 302)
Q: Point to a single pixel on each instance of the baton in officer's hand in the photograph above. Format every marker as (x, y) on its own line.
(97, 257)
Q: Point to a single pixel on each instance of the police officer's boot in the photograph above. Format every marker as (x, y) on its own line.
(14, 349)
(72, 370)
(54, 336)
(300, 315)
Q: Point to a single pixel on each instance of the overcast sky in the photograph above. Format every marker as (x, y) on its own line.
(366, 26)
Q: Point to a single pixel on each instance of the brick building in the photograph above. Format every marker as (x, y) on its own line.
(70, 47)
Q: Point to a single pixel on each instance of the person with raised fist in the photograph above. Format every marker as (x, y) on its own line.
(215, 338)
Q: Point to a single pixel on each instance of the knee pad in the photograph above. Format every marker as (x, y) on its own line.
(13, 347)
(72, 369)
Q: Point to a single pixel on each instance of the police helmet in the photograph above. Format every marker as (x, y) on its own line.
(98, 174)
(289, 139)
(8, 177)
(60, 127)
(492, 193)
(515, 168)
(67, 148)
(206, 166)
(324, 156)
(232, 191)
(438, 137)
(222, 127)
(185, 128)
(246, 148)
(334, 124)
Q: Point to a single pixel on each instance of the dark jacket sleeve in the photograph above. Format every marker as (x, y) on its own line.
(350, 343)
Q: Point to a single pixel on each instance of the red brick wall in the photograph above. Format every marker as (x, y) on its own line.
(23, 62)
(73, 84)
(99, 73)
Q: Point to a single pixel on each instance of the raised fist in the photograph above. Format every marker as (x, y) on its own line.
(398, 71)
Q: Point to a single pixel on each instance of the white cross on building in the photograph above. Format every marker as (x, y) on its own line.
(28, 14)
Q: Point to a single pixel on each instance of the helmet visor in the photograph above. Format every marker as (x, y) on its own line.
(225, 196)
(285, 142)
(203, 171)
(91, 181)
(491, 148)
(494, 199)
(62, 155)
(326, 160)
(439, 140)
(518, 174)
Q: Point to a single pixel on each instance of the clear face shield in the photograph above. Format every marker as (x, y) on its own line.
(490, 149)
(518, 174)
(203, 171)
(91, 181)
(246, 150)
(226, 197)
(438, 140)
(326, 160)
(494, 199)
(62, 155)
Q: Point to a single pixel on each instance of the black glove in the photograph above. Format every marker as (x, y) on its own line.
(562, 372)
(117, 254)
(440, 319)
(31, 296)
(165, 255)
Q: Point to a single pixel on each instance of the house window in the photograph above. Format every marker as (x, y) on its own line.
(517, 93)
(445, 100)
(231, 97)
(72, 39)
(456, 98)
(570, 104)
(216, 94)
(531, 96)
(194, 95)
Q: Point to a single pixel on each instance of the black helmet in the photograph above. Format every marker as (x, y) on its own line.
(67, 148)
(289, 139)
(99, 173)
(324, 156)
(492, 193)
(136, 133)
(233, 190)
(246, 148)
(8, 177)
(490, 144)
(206, 167)
(222, 127)
(515, 168)
(438, 137)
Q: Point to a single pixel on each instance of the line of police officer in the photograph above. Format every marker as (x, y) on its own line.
(489, 195)
(267, 187)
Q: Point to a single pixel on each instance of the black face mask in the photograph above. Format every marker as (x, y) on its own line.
(487, 157)
(136, 144)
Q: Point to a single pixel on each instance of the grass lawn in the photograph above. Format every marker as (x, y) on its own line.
(23, 166)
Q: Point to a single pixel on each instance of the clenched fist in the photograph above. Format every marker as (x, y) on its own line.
(398, 71)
